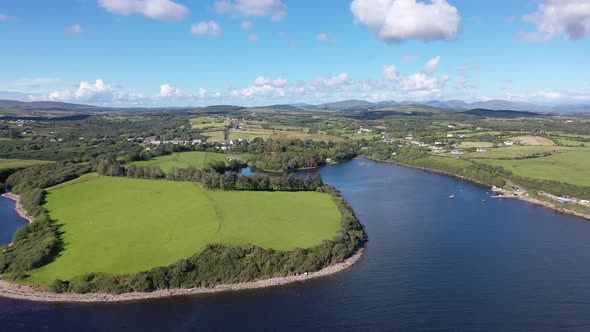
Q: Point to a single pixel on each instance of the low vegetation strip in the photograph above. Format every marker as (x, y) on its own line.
(117, 225)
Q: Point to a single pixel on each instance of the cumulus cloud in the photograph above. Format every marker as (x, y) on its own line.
(390, 73)
(423, 84)
(556, 17)
(263, 86)
(74, 30)
(210, 29)
(323, 37)
(332, 81)
(98, 91)
(275, 9)
(277, 83)
(165, 10)
(168, 91)
(420, 85)
(202, 93)
(394, 21)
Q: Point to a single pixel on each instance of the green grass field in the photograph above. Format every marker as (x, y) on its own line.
(516, 152)
(571, 167)
(196, 159)
(120, 225)
(476, 144)
(215, 136)
(250, 134)
(569, 142)
(219, 125)
(19, 163)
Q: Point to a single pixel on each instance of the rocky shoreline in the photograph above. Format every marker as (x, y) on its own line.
(549, 205)
(23, 292)
(18, 207)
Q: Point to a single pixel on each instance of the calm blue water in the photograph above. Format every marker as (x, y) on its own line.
(9, 220)
(431, 264)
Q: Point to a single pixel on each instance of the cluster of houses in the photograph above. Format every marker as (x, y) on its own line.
(153, 141)
(18, 123)
(565, 199)
(455, 136)
(363, 130)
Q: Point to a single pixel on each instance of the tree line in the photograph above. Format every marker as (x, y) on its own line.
(215, 175)
(285, 155)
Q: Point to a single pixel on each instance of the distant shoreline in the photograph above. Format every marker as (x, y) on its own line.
(531, 200)
(23, 292)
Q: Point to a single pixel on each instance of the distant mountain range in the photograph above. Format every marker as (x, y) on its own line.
(434, 106)
(495, 104)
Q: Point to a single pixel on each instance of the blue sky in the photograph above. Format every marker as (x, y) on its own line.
(251, 52)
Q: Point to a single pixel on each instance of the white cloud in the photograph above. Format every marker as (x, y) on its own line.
(390, 73)
(3, 17)
(333, 81)
(263, 87)
(74, 30)
(168, 91)
(556, 17)
(394, 21)
(420, 85)
(277, 83)
(202, 93)
(423, 84)
(98, 91)
(253, 38)
(88, 91)
(210, 29)
(246, 25)
(432, 64)
(325, 38)
(275, 9)
(166, 10)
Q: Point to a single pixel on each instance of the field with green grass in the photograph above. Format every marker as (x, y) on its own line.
(120, 225)
(195, 159)
(476, 144)
(215, 136)
(19, 163)
(570, 167)
(516, 151)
